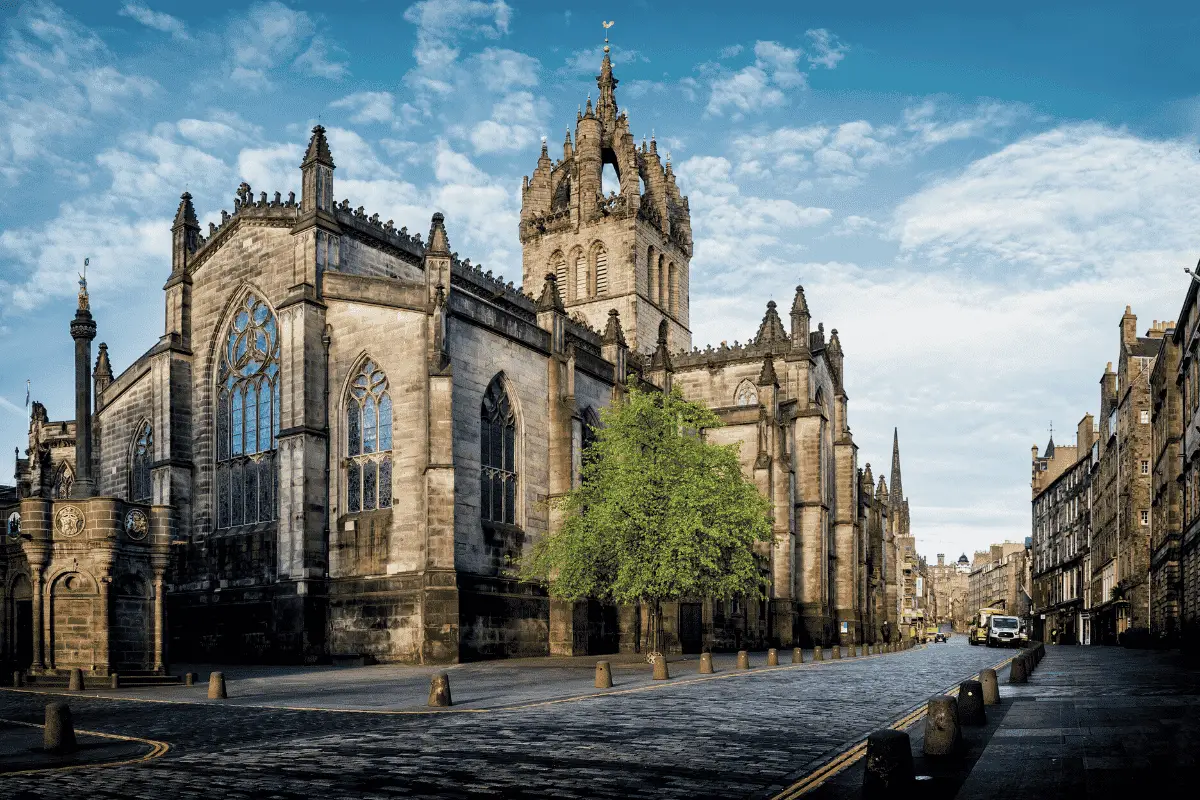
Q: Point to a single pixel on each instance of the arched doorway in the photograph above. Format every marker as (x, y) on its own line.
(72, 611)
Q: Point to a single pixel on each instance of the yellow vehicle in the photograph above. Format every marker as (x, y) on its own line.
(978, 631)
(931, 632)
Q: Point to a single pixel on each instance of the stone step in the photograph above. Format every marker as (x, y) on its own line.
(130, 680)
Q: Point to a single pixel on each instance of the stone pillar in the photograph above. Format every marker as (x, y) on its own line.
(39, 629)
(83, 331)
(160, 623)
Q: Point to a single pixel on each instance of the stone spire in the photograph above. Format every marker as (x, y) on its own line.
(606, 103)
(438, 243)
(833, 353)
(897, 489)
(613, 334)
(102, 374)
(661, 360)
(185, 233)
(881, 491)
(318, 149)
(316, 174)
(771, 329)
(550, 299)
(766, 376)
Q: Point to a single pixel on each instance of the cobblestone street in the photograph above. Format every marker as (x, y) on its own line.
(731, 735)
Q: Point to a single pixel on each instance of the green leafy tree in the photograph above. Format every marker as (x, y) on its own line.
(660, 514)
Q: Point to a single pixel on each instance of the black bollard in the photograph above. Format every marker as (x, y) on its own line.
(1017, 672)
(943, 736)
(970, 704)
(59, 736)
(889, 770)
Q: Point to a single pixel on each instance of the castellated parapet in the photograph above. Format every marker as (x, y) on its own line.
(630, 250)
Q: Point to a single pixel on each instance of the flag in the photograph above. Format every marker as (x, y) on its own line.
(27, 394)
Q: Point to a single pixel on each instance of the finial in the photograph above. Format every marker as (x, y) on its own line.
(607, 25)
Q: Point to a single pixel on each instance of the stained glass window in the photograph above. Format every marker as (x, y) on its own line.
(64, 479)
(497, 456)
(368, 440)
(248, 417)
(139, 465)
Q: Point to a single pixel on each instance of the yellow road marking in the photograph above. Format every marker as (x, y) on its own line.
(157, 749)
(849, 757)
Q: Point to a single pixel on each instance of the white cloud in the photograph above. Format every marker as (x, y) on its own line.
(827, 49)
(157, 20)
(271, 34)
(441, 25)
(368, 107)
(58, 80)
(731, 51)
(587, 61)
(1076, 198)
(760, 85)
(502, 70)
(515, 124)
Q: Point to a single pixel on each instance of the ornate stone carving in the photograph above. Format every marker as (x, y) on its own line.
(136, 524)
(68, 521)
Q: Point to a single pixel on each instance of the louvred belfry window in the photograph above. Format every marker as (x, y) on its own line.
(247, 474)
(368, 441)
(497, 456)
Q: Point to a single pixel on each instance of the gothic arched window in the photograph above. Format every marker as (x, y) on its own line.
(581, 275)
(247, 475)
(368, 441)
(497, 455)
(558, 265)
(140, 459)
(746, 395)
(64, 479)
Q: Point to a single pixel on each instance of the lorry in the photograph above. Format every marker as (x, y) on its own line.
(977, 634)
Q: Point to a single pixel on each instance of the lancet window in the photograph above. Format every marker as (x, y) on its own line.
(140, 459)
(247, 473)
(558, 264)
(497, 458)
(368, 441)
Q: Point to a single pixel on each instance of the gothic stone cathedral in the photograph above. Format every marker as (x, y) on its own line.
(346, 435)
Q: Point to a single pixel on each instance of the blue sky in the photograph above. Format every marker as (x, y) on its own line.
(970, 197)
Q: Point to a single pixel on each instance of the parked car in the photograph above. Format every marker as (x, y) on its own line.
(1004, 631)
(939, 637)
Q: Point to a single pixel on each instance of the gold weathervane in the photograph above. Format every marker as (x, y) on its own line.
(607, 25)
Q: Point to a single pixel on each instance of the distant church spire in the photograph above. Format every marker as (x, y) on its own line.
(897, 489)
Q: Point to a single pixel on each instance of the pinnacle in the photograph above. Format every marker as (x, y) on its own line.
(318, 149)
(550, 300)
(613, 334)
(438, 242)
(771, 329)
(186, 214)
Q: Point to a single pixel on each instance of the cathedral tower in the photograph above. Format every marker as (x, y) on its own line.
(629, 250)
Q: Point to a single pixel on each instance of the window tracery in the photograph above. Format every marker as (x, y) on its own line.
(64, 479)
(497, 458)
(368, 441)
(746, 394)
(140, 487)
(247, 475)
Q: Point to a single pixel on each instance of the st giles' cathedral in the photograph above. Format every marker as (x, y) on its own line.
(345, 436)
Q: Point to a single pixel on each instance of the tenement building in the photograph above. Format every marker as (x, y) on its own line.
(1120, 546)
(998, 579)
(1061, 529)
(347, 437)
(949, 588)
(1186, 338)
(1166, 498)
